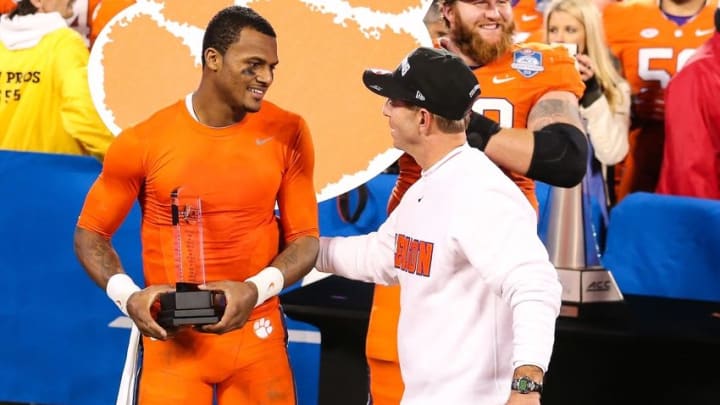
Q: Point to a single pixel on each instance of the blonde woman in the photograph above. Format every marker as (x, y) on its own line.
(606, 102)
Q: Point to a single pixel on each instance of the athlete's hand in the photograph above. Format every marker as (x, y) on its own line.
(138, 307)
(480, 129)
(585, 67)
(240, 299)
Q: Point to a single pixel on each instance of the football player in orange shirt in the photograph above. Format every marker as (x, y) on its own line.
(240, 155)
(101, 14)
(7, 6)
(652, 39)
(528, 21)
(533, 92)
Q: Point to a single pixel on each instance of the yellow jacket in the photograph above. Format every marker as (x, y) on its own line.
(45, 103)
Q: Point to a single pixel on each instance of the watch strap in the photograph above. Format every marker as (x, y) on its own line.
(525, 385)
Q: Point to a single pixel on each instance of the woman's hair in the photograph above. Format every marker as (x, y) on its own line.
(587, 13)
(24, 7)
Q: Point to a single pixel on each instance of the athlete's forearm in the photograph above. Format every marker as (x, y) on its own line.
(297, 259)
(554, 107)
(511, 149)
(97, 256)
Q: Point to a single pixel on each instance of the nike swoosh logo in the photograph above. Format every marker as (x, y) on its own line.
(526, 17)
(262, 141)
(649, 33)
(702, 33)
(497, 80)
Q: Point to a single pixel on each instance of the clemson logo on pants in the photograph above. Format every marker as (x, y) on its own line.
(262, 327)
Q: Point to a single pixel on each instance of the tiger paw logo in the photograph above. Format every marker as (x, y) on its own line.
(263, 328)
(149, 56)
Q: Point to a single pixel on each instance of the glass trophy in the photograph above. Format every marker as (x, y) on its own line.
(188, 305)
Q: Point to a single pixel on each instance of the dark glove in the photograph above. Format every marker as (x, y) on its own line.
(480, 130)
(592, 92)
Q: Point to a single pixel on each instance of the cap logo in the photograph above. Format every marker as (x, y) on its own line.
(404, 67)
(474, 91)
(419, 96)
(376, 87)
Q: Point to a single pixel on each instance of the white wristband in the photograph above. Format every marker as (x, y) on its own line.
(269, 283)
(119, 288)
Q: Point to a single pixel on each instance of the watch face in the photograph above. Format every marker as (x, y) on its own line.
(523, 385)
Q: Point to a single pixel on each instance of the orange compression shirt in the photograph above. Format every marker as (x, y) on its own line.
(238, 172)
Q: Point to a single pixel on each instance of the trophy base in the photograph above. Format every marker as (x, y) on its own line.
(587, 290)
(189, 305)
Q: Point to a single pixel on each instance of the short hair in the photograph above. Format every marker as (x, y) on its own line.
(433, 14)
(448, 126)
(225, 27)
(24, 7)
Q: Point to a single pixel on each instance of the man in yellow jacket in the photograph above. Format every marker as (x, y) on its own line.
(45, 103)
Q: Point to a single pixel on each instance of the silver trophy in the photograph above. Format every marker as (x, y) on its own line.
(572, 243)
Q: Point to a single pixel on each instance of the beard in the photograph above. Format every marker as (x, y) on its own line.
(472, 45)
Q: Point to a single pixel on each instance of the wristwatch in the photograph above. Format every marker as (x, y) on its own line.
(525, 385)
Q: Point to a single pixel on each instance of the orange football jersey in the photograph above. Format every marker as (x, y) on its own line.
(651, 49)
(103, 12)
(528, 21)
(7, 6)
(511, 85)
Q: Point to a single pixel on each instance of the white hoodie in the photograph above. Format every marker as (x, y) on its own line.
(26, 31)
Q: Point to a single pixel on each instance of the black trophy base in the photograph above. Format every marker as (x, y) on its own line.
(189, 305)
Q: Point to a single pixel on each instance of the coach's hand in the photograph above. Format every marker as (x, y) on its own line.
(240, 299)
(516, 398)
(138, 307)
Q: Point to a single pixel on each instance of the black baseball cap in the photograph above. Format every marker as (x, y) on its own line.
(430, 78)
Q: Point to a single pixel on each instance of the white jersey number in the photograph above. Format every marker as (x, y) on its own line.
(502, 106)
(645, 55)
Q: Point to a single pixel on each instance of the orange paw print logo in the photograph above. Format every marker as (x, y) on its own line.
(149, 56)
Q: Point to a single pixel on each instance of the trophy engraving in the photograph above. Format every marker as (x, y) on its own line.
(188, 305)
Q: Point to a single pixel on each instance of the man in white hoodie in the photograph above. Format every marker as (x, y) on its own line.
(479, 297)
(45, 103)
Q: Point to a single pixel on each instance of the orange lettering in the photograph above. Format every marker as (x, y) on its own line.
(412, 254)
(424, 259)
(401, 243)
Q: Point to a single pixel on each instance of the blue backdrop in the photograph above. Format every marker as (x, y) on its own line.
(57, 346)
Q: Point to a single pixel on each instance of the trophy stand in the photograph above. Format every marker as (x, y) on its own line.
(188, 305)
(573, 249)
